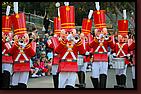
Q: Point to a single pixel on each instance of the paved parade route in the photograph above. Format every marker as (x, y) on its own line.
(47, 81)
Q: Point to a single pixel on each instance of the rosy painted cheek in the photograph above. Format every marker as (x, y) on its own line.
(26, 40)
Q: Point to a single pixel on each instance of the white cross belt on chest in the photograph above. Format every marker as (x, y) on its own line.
(120, 49)
(21, 53)
(100, 45)
(69, 51)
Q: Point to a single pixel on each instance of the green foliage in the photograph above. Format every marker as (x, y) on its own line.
(81, 8)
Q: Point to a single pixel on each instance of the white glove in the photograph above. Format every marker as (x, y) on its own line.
(114, 54)
(87, 53)
(109, 53)
(69, 37)
(128, 55)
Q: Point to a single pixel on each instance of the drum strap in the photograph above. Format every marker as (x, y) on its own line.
(120, 49)
(17, 58)
(72, 54)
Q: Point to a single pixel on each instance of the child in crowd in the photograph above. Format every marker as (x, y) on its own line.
(38, 69)
(47, 64)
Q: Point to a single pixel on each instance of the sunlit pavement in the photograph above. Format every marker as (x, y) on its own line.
(47, 81)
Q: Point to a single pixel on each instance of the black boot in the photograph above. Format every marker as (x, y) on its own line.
(14, 86)
(81, 77)
(6, 79)
(68, 86)
(55, 80)
(22, 85)
(118, 81)
(82, 80)
(134, 83)
(95, 82)
(103, 80)
(122, 81)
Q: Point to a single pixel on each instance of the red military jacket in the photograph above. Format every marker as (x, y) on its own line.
(100, 50)
(6, 58)
(87, 48)
(53, 43)
(132, 48)
(68, 53)
(21, 56)
(121, 50)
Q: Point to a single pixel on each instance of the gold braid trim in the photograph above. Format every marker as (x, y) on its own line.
(79, 43)
(95, 40)
(62, 43)
(28, 47)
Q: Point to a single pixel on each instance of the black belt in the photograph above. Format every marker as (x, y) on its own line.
(100, 52)
(67, 60)
(5, 55)
(21, 61)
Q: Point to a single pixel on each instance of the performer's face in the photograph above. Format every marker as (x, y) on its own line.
(125, 38)
(22, 39)
(97, 32)
(7, 36)
(122, 38)
(65, 32)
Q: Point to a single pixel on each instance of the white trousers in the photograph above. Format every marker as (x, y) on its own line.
(7, 67)
(83, 68)
(54, 69)
(67, 78)
(99, 68)
(121, 71)
(133, 72)
(20, 77)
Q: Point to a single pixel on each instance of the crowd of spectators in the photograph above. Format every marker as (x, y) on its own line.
(41, 63)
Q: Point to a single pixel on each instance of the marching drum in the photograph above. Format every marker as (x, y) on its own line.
(118, 63)
(80, 60)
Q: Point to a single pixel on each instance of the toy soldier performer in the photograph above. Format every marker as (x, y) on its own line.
(100, 45)
(53, 43)
(6, 45)
(86, 29)
(68, 48)
(121, 52)
(21, 50)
